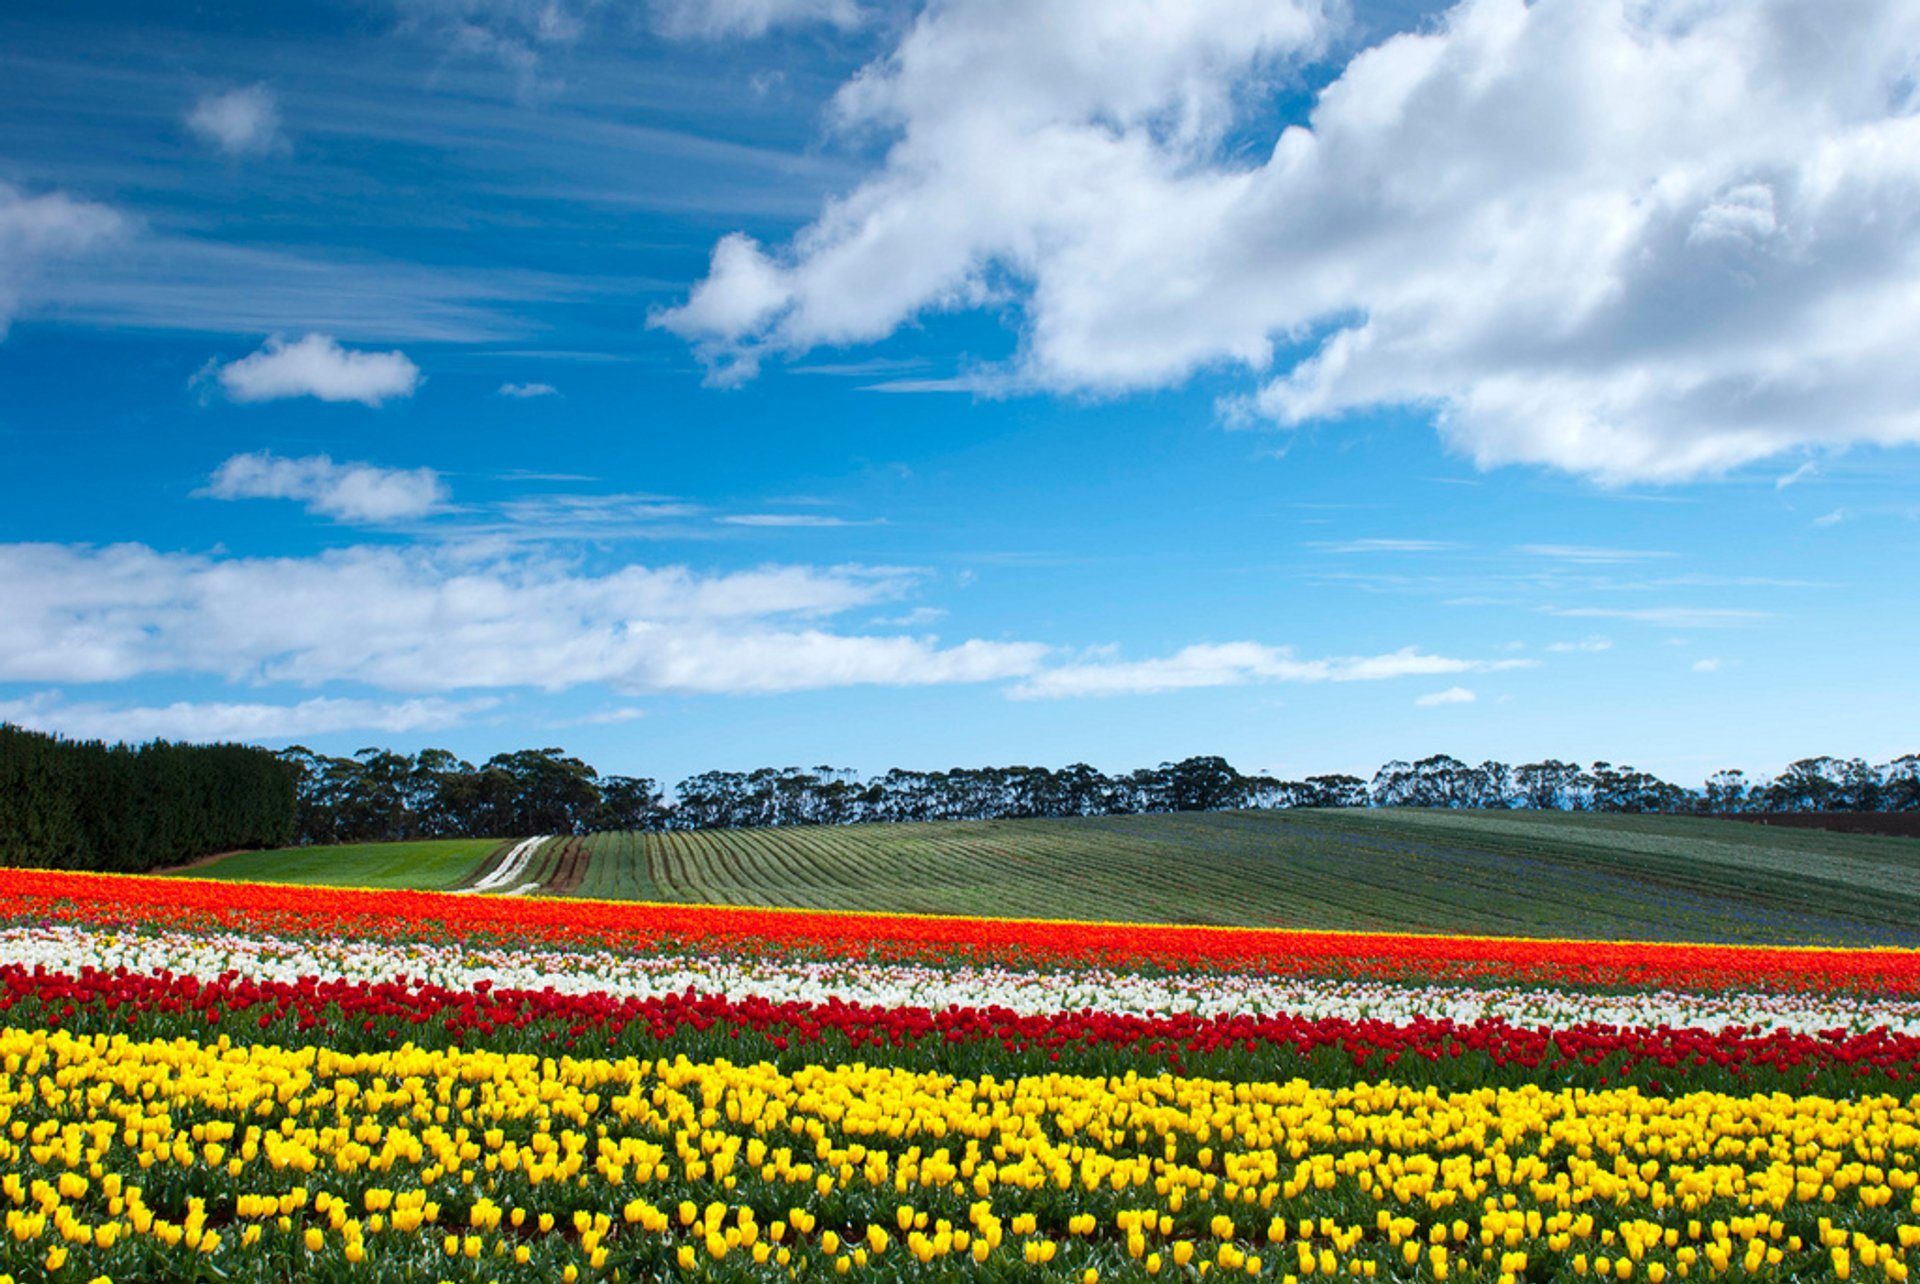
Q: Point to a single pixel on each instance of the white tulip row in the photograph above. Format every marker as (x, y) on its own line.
(209, 954)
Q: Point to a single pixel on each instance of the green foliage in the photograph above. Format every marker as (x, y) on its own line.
(1507, 873)
(380, 796)
(68, 804)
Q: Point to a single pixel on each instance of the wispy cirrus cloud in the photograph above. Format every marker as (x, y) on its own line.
(1384, 546)
(1673, 617)
(714, 19)
(1594, 554)
(1452, 695)
(38, 230)
(222, 720)
(796, 520)
(1239, 663)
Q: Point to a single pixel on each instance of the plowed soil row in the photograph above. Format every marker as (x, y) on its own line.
(1890, 824)
(569, 871)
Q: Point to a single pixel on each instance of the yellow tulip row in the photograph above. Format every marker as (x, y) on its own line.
(121, 1151)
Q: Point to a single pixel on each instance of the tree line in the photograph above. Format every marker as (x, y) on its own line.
(379, 795)
(72, 804)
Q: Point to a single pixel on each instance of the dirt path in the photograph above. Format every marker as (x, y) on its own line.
(198, 862)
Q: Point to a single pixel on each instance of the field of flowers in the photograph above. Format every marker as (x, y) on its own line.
(205, 1080)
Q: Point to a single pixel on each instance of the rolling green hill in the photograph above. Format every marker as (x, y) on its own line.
(428, 863)
(1518, 873)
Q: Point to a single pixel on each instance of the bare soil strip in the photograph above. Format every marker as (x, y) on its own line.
(198, 862)
(571, 871)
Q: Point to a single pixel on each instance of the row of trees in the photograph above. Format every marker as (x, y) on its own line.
(380, 795)
(68, 804)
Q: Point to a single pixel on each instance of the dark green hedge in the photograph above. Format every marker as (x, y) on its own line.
(70, 804)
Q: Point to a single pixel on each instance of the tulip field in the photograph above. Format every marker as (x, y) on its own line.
(214, 1080)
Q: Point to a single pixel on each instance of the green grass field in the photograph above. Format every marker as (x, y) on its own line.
(1519, 873)
(430, 863)
(1523, 873)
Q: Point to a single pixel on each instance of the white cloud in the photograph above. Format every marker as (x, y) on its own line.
(346, 492)
(1388, 546)
(516, 34)
(918, 617)
(612, 717)
(1592, 554)
(1709, 665)
(240, 122)
(1452, 695)
(219, 720)
(1237, 663)
(170, 281)
(1637, 241)
(422, 621)
(977, 385)
(584, 517)
(1672, 617)
(315, 366)
(1593, 643)
(1800, 474)
(716, 18)
(525, 391)
(786, 519)
(36, 229)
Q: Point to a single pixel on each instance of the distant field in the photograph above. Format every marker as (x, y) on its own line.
(1519, 873)
(1524, 873)
(430, 863)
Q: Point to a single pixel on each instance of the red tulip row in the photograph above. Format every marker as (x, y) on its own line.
(133, 900)
(360, 1014)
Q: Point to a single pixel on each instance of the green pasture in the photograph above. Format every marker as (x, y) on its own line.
(428, 863)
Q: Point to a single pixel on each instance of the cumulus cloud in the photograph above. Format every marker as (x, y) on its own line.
(1632, 240)
(527, 391)
(1236, 663)
(240, 122)
(1452, 695)
(315, 366)
(37, 229)
(346, 492)
(221, 720)
(423, 621)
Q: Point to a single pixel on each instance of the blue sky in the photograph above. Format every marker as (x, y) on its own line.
(808, 381)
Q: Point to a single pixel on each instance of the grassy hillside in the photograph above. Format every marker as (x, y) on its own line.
(430, 863)
(1519, 873)
(1524, 873)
